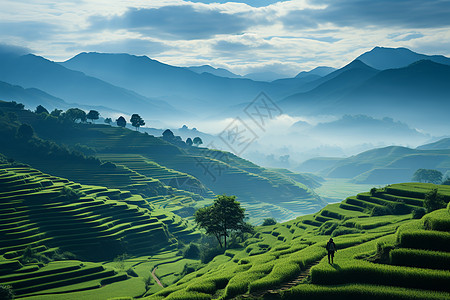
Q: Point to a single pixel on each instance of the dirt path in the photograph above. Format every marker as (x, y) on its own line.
(274, 292)
(156, 278)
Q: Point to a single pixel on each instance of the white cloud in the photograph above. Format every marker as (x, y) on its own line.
(287, 36)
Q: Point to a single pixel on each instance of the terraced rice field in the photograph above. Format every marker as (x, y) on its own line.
(44, 219)
(279, 253)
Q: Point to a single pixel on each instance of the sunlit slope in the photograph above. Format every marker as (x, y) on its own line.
(416, 269)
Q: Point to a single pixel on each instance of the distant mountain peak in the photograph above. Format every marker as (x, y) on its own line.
(383, 58)
(318, 71)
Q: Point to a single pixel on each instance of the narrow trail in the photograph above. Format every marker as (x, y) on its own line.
(274, 292)
(156, 278)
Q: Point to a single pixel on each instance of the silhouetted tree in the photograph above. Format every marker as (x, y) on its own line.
(168, 134)
(427, 175)
(93, 115)
(25, 132)
(40, 109)
(74, 114)
(222, 218)
(189, 142)
(108, 121)
(136, 121)
(121, 122)
(56, 112)
(198, 141)
(269, 221)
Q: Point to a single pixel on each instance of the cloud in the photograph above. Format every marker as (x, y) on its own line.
(28, 30)
(254, 3)
(357, 13)
(176, 22)
(131, 46)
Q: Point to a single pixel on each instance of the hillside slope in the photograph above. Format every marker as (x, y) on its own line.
(196, 174)
(363, 268)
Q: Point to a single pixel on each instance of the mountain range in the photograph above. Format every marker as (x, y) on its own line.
(413, 86)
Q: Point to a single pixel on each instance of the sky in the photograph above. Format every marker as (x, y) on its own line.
(285, 37)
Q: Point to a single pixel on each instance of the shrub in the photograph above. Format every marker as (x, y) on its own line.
(399, 208)
(269, 221)
(192, 251)
(208, 254)
(70, 194)
(380, 211)
(418, 212)
(30, 255)
(6, 292)
(433, 201)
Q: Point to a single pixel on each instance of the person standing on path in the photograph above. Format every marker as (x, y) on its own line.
(331, 248)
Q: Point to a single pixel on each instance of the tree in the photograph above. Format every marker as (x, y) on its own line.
(222, 218)
(427, 175)
(433, 201)
(121, 122)
(197, 141)
(74, 114)
(40, 109)
(189, 142)
(56, 112)
(93, 115)
(269, 221)
(168, 134)
(25, 132)
(108, 121)
(136, 121)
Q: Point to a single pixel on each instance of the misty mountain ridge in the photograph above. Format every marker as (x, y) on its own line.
(215, 71)
(31, 71)
(382, 58)
(318, 71)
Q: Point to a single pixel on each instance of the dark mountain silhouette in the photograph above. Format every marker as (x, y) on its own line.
(215, 71)
(182, 87)
(392, 58)
(32, 71)
(415, 93)
(332, 88)
(30, 97)
(412, 94)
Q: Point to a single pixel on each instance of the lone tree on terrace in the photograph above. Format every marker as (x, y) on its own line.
(222, 218)
(93, 115)
(197, 141)
(121, 122)
(137, 121)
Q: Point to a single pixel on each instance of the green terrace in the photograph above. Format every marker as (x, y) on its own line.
(47, 220)
(388, 256)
